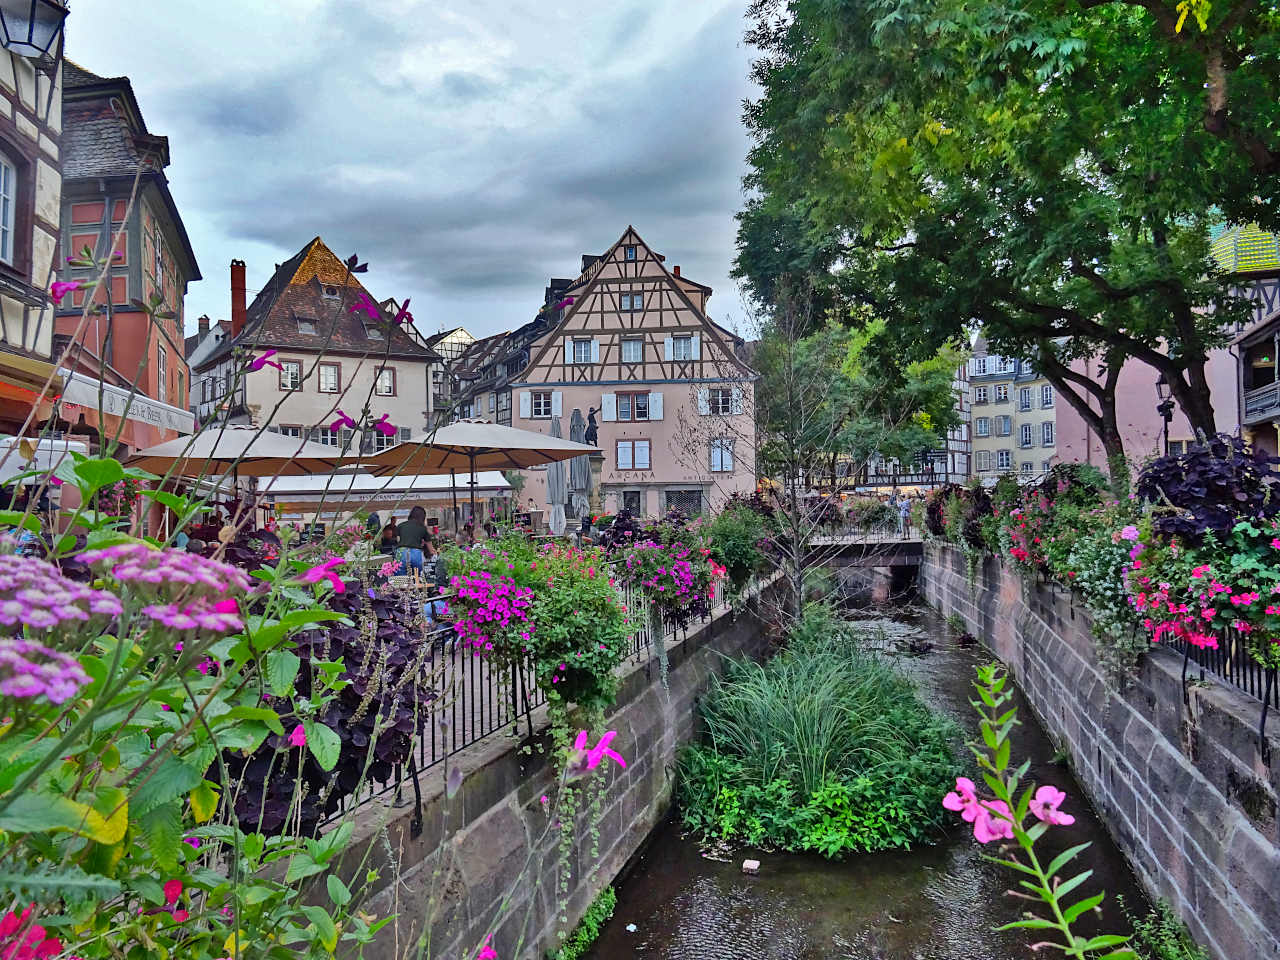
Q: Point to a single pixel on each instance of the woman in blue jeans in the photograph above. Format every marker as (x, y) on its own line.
(411, 536)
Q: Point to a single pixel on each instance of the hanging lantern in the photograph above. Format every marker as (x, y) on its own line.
(30, 28)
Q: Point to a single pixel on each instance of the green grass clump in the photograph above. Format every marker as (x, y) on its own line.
(585, 933)
(1160, 935)
(826, 747)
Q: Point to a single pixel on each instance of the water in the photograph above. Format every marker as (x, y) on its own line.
(935, 903)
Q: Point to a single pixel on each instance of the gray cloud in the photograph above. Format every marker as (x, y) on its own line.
(468, 160)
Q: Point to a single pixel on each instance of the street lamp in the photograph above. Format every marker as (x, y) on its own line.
(1165, 407)
(30, 28)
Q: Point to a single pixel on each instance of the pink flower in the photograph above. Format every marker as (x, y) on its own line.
(61, 288)
(486, 950)
(342, 421)
(583, 760)
(258, 363)
(1129, 533)
(54, 481)
(1275, 543)
(172, 891)
(298, 737)
(194, 841)
(403, 315)
(384, 428)
(324, 571)
(992, 822)
(963, 800)
(1045, 806)
(368, 306)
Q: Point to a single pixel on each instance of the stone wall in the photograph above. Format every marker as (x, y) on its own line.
(1180, 777)
(501, 849)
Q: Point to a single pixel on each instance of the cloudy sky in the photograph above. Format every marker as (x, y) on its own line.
(468, 149)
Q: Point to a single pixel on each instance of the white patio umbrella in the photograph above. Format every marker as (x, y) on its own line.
(244, 451)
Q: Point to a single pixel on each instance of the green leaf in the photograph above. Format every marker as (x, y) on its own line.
(262, 714)
(178, 504)
(1105, 940)
(16, 518)
(324, 744)
(173, 779)
(301, 867)
(98, 473)
(324, 926)
(162, 830)
(1062, 859)
(282, 669)
(271, 635)
(34, 812)
(1068, 885)
(204, 802)
(1076, 909)
(338, 891)
(1031, 923)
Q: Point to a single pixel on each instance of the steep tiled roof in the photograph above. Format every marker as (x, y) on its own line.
(479, 353)
(296, 291)
(96, 142)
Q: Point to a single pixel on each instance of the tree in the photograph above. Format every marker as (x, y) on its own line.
(1044, 168)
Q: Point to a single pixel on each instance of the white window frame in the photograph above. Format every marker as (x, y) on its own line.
(979, 395)
(1026, 436)
(984, 460)
(1046, 395)
(1047, 437)
(721, 455)
(1024, 398)
(1004, 365)
(682, 343)
(982, 427)
(540, 405)
(1027, 468)
(384, 383)
(8, 208)
(1004, 459)
(1004, 425)
(637, 354)
(581, 350)
(979, 366)
(290, 374)
(1002, 393)
(323, 370)
(720, 401)
(162, 375)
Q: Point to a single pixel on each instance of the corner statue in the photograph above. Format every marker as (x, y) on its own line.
(589, 438)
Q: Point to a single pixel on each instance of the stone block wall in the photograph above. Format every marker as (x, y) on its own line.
(1180, 777)
(491, 849)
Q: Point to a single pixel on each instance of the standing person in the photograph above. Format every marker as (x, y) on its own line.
(904, 517)
(410, 536)
(896, 507)
(390, 537)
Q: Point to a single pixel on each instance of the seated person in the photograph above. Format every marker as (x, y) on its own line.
(440, 577)
(411, 537)
(390, 537)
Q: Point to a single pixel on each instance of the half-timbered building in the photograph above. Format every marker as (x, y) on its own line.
(672, 399)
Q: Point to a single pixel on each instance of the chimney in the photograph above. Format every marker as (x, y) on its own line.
(238, 306)
(203, 324)
(676, 269)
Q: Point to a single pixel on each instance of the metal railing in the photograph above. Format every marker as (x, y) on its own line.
(1232, 663)
(480, 700)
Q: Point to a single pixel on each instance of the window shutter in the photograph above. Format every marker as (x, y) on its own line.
(595, 349)
(526, 405)
(704, 400)
(642, 454)
(609, 407)
(695, 347)
(737, 400)
(713, 455)
(624, 454)
(655, 406)
(726, 455)
(668, 349)
(568, 350)
(557, 403)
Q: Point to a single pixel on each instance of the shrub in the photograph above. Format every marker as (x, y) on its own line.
(1160, 935)
(1210, 487)
(826, 747)
(734, 538)
(871, 514)
(584, 935)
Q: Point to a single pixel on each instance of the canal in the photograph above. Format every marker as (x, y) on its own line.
(939, 902)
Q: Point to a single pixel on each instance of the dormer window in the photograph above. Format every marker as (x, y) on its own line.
(331, 293)
(373, 332)
(307, 325)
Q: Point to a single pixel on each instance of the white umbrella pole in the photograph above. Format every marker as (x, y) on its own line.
(453, 486)
(474, 519)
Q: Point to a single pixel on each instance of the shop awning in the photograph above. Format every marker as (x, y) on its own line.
(23, 378)
(82, 389)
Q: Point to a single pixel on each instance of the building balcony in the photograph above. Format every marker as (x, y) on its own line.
(1262, 403)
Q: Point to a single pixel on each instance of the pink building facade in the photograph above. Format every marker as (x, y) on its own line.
(672, 399)
(1140, 424)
